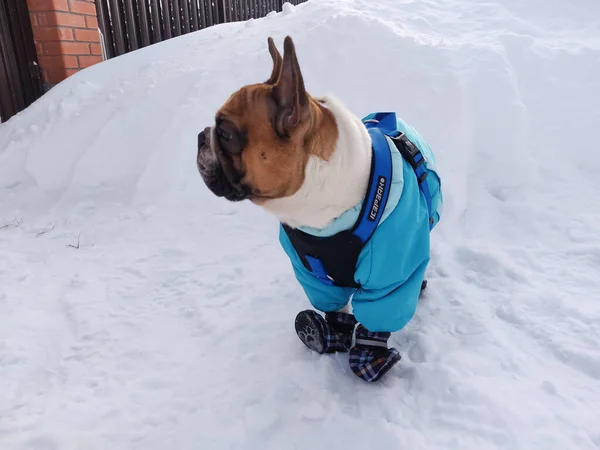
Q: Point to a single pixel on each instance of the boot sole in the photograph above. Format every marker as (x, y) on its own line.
(309, 331)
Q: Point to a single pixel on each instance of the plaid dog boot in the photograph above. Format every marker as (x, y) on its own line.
(329, 335)
(370, 357)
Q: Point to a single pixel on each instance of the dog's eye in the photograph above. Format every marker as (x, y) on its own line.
(224, 135)
(231, 139)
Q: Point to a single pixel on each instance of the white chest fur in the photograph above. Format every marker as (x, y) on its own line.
(334, 186)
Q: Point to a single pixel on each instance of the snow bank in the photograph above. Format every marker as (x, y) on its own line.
(171, 325)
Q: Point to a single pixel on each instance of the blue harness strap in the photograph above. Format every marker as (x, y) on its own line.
(318, 270)
(379, 125)
(378, 191)
(379, 187)
(386, 123)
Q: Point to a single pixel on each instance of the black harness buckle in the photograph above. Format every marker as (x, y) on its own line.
(411, 153)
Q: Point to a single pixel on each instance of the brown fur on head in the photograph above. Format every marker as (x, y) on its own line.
(264, 135)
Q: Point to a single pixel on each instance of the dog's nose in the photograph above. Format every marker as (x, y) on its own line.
(201, 139)
(204, 137)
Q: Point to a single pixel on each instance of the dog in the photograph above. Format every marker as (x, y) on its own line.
(356, 199)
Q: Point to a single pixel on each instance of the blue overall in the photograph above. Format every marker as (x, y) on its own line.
(392, 262)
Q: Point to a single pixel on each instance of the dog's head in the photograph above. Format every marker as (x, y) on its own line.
(264, 134)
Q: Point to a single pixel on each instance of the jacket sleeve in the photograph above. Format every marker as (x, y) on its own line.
(323, 297)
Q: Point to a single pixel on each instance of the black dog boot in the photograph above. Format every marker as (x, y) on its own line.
(370, 358)
(329, 335)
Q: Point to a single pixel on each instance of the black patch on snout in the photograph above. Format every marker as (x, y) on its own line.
(218, 172)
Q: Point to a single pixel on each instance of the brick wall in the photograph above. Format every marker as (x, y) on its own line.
(66, 37)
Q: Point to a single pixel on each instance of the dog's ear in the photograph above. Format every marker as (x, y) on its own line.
(277, 62)
(289, 92)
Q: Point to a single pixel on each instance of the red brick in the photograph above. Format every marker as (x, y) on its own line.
(33, 19)
(82, 7)
(87, 61)
(61, 18)
(87, 35)
(91, 22)
(54, 76)
(38, 48)
(58, 62)
(47, 5)
(43, 34)
(95, 49)
(66, 48)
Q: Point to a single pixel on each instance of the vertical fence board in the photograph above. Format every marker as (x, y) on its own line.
(8, 98)
(25, 52)
(7, 108)
(20, 60)
(215, 8)
(106, 29)
(222, 10)
(144, 22)
(131, 23)
(167, 27)
(209, 12)
(185, 16)
(202, 12)
(8, 54)
(176, 17)
(31, 52)
(116, 19)
(194, 15)
(156, 22)
(236, 11)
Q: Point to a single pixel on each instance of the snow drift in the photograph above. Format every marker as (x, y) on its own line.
(138, 311)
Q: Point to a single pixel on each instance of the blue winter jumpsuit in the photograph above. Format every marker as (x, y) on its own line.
(392, 264)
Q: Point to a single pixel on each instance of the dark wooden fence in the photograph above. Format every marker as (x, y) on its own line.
(128, 25)
(20, 81)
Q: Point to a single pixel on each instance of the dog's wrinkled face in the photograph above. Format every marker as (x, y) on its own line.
(264, 134)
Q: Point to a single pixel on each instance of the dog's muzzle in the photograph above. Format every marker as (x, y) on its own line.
(213, 171)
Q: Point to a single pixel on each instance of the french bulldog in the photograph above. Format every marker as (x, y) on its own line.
(327, 177)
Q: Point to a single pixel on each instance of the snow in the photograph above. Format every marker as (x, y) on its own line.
(170, 325)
